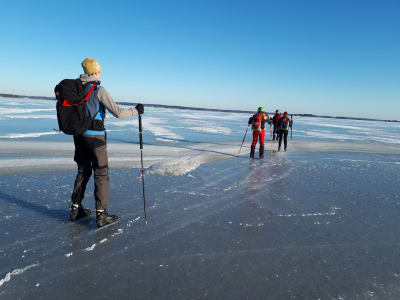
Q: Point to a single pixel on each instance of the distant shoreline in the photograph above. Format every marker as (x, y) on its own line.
(206, 109)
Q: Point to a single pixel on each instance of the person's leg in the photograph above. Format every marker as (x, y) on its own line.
(274, 133)
(285, 138)
(262, 138)
(253, 144)
(255, 138)
(81, 180)
(98, 145)
(280, 139)
(82, 159)
(100, 167)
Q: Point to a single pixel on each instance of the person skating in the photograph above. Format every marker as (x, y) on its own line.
(275, 122)
(91, 146)
(284, 124)
(258, 125)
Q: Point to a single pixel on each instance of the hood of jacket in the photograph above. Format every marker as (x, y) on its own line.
(85, 78)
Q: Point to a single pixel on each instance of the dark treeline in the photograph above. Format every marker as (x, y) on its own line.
(204, 109)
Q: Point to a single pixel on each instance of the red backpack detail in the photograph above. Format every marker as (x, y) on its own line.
(285, 123)
(256, 125)
(276, 120)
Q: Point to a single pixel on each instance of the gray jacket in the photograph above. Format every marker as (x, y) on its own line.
(107, 101)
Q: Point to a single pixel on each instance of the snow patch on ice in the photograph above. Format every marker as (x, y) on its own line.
(175, 167)
(156, 126)
(330, 135)
(27, 135)
(90, 248)
(389, 139)
(251, 225)
(190, 158)
(321, 222)
(103, 241)
(212, 129)
(331, 212)
(166, 140)
(122, 123)
(216, 116)
(16, 272)
(68, 254)
(119, 231)
(52, 117)
(10, 111)
(129, 224)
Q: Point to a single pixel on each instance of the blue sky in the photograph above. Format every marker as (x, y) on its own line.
(339, 58)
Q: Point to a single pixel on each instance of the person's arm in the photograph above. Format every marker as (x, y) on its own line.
(108, 102)
(250, 120)
(264, 120)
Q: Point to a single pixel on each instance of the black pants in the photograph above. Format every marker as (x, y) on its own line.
(284, 134)
(275, 132)
(91, 154)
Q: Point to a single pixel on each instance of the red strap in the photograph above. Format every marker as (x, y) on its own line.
(88, 94)
(67, 103)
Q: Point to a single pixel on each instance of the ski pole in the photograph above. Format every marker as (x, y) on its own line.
(141, 159)
(270, 135)
(244, 138)
(291, 127)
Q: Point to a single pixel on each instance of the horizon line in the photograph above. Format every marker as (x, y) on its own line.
(207, 109)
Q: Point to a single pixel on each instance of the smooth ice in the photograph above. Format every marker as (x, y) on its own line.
(317, 222)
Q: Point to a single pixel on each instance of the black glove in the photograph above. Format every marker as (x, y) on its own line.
(140, 108)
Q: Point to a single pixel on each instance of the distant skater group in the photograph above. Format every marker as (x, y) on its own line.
(281, 125)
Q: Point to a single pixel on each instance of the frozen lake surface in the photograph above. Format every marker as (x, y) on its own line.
(317, 222)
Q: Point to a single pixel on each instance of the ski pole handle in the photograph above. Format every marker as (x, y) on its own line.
(140, 132)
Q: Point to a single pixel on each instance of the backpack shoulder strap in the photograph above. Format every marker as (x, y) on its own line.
(68, 103)
(89, 93)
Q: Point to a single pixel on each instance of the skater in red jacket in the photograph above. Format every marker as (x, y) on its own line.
(258, 125)
(275, 122)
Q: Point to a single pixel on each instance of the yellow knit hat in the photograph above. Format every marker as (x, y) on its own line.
(91, 66)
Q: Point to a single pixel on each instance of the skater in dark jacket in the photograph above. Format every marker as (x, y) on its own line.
(257, 123)
(275, 122)
(284, 124)
(91, 146)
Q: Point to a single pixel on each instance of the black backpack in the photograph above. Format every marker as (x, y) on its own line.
(285, 123)
(71, 106)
